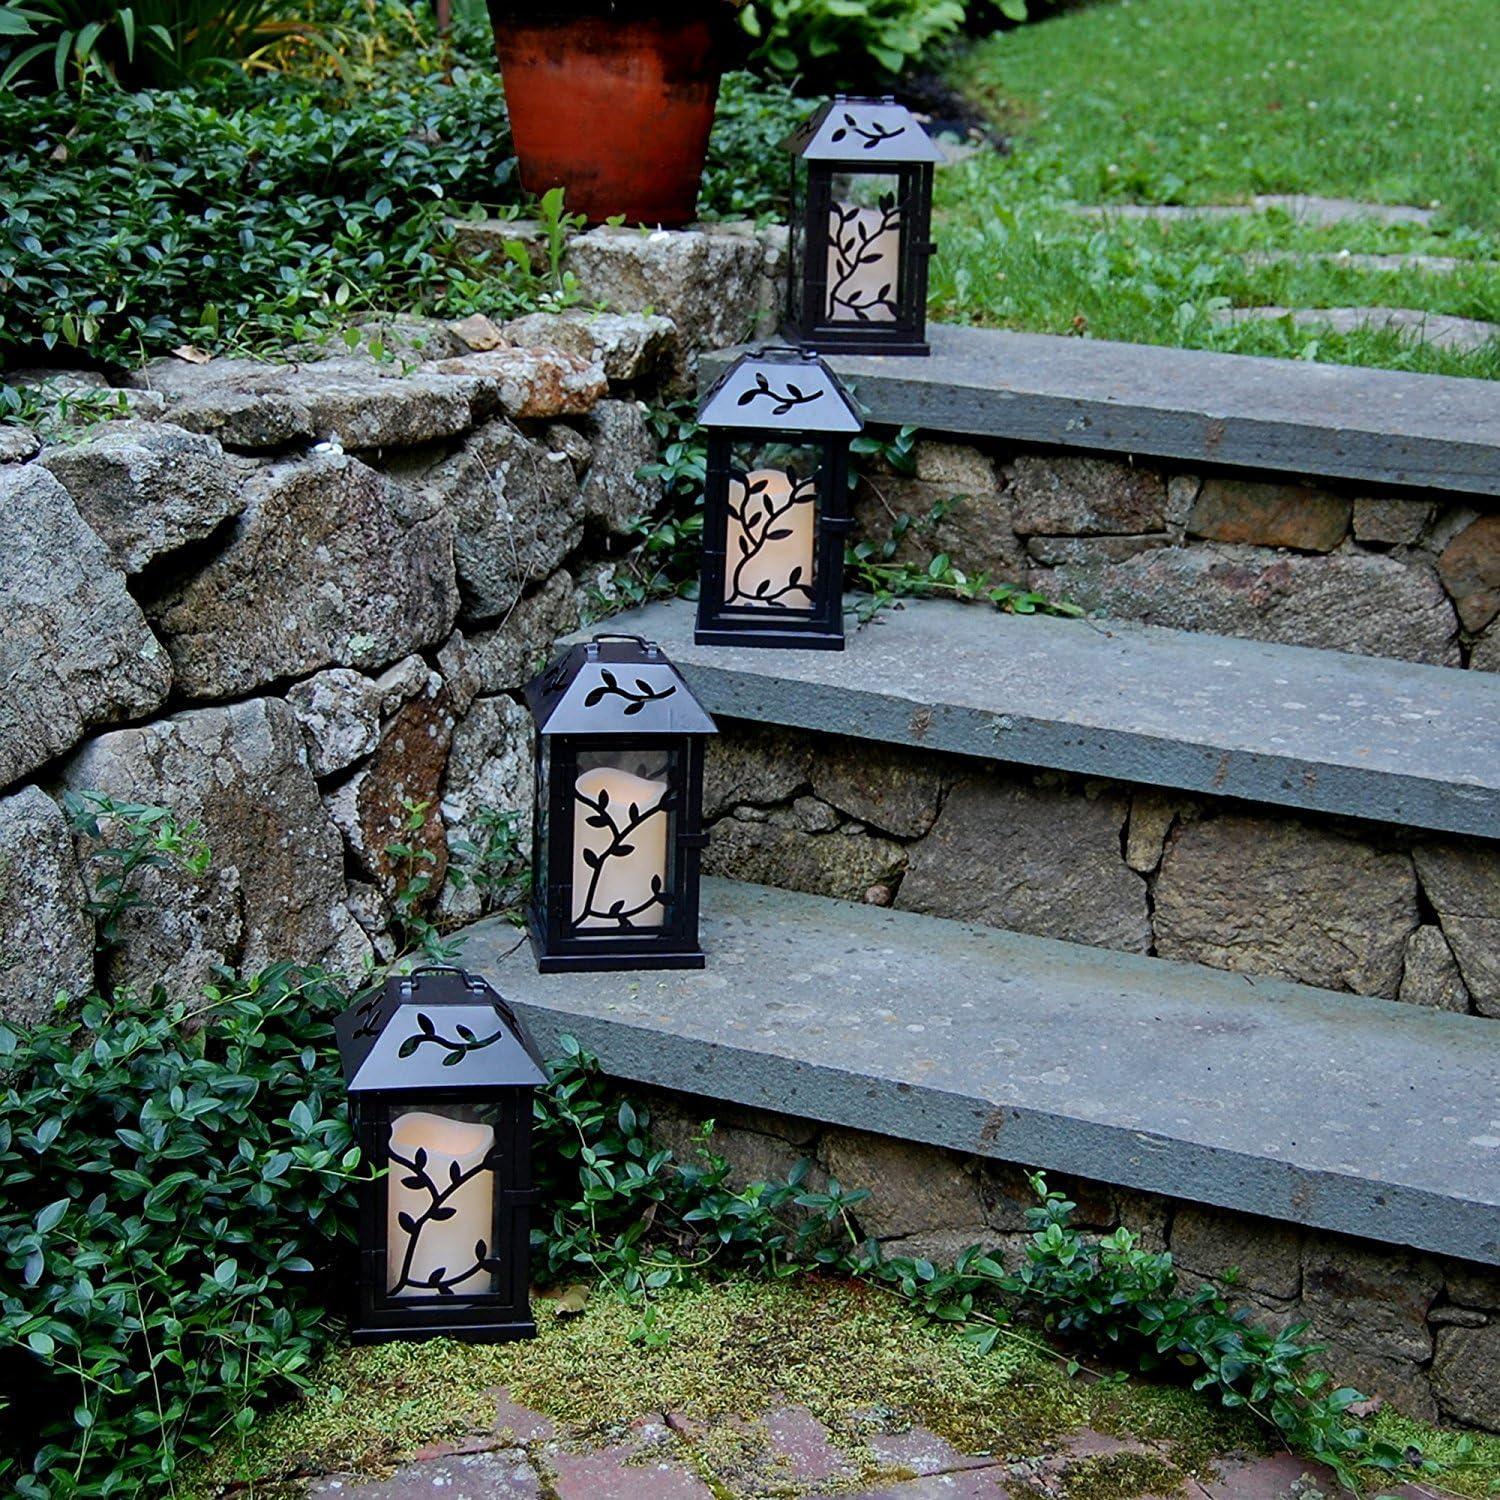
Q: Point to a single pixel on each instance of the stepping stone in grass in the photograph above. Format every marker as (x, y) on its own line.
(1432, 265)
(1441, 330)
(1306, 209)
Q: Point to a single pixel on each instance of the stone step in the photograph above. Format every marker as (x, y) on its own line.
(1434, 432)
(1359, 736)
(1360, 1116)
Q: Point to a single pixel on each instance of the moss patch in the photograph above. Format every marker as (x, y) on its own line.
(857, 1358)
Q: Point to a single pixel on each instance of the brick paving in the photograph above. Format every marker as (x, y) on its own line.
(788, 1454)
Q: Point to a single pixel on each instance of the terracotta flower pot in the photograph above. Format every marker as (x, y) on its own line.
(614, 108)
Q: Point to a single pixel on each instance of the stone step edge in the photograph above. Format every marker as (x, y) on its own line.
(709, 1035)
(1280, 729)
(1199, 407)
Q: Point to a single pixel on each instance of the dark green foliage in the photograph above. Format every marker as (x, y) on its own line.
(748, 175)
(171, 1186)
(137, 222)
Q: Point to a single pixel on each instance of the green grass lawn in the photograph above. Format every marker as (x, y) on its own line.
(1212, 101)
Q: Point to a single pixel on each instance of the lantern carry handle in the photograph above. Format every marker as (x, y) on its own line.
(649, 647)
(497, 1001)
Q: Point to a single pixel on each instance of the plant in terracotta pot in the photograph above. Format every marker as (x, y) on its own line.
(613, 100)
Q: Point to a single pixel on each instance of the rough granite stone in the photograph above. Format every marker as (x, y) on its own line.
(1370, 1304)
(508, 655)
(476, 333)
(1269, 515)
(712, 284)
(46, 934)
(1470, 570)
(1466, 1374)
(516, 513)
(897, 791)
(75, 650)
(1084, 497)
(615, 492)
(560, 437)
(1213, 1242)
(1390, 523)
(1485, 656)
(408, 767)
(1091, 551)
(957, 467)
(339, 711)
(776, 849)
(972, 528)
(912, 1187)
(17, 444)
(1031, 859)
(753, 764)
(489, 768)
(1462, 881)
(274, 889)
(1365, 603)
(532, 383)
(1429, 974)
(147, 488)
(631, 347)
(504, 1474)
(410, 334)
(1271, 896)
(328, 565)
(1151, 819)
(357, 402)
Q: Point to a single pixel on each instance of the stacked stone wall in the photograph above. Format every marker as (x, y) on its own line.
(1333, 902)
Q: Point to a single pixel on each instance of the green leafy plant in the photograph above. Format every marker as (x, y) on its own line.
(127, 838)
(874, 568)
(148, 43)
(832, 39)
(493, 862)
(250, 217)
(172, 1181)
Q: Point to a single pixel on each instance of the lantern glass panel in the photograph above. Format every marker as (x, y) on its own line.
(443, 1202)
(867, 216)
(624, 838)
(773, 513)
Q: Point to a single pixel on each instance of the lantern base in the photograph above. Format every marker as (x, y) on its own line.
(860, 341)
(617, 962)
(464, 1333)
(806, 639)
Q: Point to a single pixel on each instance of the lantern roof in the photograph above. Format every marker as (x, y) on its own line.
(437, 1028)
(615, 684)
(857, 130)
(780, 388)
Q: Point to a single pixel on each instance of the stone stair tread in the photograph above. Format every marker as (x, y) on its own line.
(1287, 416)
(1359, 736)
(1356, 1115)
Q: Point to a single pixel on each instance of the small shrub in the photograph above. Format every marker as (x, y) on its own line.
(831, 40)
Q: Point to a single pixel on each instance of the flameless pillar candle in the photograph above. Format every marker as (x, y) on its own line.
(628, 856)
(769, 561)
(441, 1244)
(864, 264)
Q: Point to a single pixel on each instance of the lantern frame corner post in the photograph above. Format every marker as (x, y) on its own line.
(491, 1085)
(847, 139)
(671, 745)
(772, 398)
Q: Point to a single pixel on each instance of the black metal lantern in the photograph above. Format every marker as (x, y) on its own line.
(618, 830)
(776, 503)
(440, 1077)
(861, 229)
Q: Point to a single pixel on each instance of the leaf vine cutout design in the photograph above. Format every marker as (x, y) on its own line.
(758, 529)
(457, 1050)
(619, 847)
(782, 402)
(856, 244)
(634, 701)
(873, 134)
(436, 1212)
